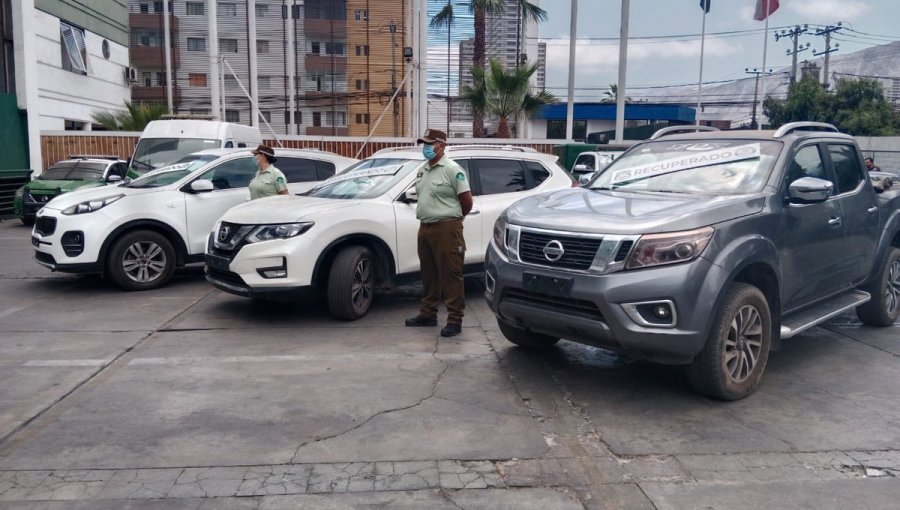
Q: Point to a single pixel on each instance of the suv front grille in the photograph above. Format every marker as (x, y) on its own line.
(230, 236)
(578, 252)
(45, 225)
(226, 276)
(566, 306)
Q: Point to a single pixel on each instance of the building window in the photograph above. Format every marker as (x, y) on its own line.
(362, 51)
(74, 53)
(361, 15)
(227, 9)
(362, 84)
(196, 44)
(228, 45)
(265, 82)
(267, 116)
(262, 10)
(145, 8)
(298, 117)
(160, 79)
(197, 79)
(262, 46)
(325, 9)
(336, 118)
(334, 48)
(317, 119)
(199, 111)
(232, 116)
(314, 47)
(362, 118)
(195, 8)
(147, 78)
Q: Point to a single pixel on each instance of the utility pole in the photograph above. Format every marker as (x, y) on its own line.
(757, 72)
(827, 31)
(794, 34)
(396, 108)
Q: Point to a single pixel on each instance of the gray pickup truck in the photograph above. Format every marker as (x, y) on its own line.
(702, 249)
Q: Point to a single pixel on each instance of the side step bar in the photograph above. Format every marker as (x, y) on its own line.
(821, 312)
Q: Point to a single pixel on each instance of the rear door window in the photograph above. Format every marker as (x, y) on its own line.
(298, 169)
(497, 176)
(537, 174)
(325, 169)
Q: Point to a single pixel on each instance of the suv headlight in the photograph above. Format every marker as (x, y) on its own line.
(91, 205)
(20, 192)
(670, 248)
(282, 231)
(500, 235)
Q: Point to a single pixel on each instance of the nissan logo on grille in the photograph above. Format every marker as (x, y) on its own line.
(224, 233)
(553, 251)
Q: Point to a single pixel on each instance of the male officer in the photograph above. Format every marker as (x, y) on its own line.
(444, 199)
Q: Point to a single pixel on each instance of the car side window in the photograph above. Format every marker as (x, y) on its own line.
(847, 170)
(325, 169)
(586, 160)
(236, 173)
(807, 162)
(119, 169)
(537, 173)
(297, 169)
(501, 176)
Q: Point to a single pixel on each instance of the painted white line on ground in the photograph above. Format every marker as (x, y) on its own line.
(10, 311)
(296, 358)
(66, 362)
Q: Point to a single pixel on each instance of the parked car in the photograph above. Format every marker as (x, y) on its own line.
(592, 161)
(138, 233)
(356, 232)
(71, 174)
(703, 249)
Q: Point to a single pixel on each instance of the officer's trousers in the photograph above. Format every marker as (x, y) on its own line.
(442, 250)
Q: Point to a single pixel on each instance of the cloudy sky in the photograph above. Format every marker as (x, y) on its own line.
(664, 46)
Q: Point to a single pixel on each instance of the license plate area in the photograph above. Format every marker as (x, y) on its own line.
(548, 285)
(35, 241)
(217, 262)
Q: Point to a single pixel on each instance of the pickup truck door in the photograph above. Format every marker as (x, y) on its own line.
(813, 237)
(859, 213)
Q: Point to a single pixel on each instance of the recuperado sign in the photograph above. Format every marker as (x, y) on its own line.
(666, 166)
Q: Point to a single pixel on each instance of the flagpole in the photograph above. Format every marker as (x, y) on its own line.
(765, 44)
(700, 80)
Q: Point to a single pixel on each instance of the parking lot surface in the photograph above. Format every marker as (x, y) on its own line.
(187, 397)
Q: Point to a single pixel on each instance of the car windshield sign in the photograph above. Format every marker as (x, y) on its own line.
(365, 172)
(369, 179)
(686, 162)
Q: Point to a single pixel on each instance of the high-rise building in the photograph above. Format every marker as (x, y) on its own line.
(347, 55)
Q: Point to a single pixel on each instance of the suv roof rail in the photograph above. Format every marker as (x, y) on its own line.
(404, 148)
(804, 126)
(680, 129)
(93, 156)
(471, 146)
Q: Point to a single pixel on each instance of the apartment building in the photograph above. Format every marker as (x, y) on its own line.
(343, 65)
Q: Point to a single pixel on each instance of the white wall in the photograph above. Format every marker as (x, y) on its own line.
(65, 95)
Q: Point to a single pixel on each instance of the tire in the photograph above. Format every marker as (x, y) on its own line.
(733, 360)
(884, 307)
(351, 283)
(27, 221)
(141, 260)
(525, 338)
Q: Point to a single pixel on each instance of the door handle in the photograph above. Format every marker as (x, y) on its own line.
(473, 212)
(872, 210)
(835, 221)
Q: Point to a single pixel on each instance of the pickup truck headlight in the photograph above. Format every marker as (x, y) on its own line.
(91, 205)
(500, 235)
(281, 231)
(670, 248)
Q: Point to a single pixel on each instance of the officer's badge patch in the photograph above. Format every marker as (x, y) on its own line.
(280, 179)
(460, 176)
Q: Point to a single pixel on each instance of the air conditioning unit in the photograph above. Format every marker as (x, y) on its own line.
(131, 74)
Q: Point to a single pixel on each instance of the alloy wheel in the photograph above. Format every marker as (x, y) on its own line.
(144, 261)
(892, 288)
(361, 288)
(743, 343)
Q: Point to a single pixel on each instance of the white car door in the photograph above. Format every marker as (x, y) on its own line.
(230, 180)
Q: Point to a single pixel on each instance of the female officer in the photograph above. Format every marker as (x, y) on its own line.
(268, 181)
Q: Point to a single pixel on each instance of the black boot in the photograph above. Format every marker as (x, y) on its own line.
(451, 330)
(419, 321)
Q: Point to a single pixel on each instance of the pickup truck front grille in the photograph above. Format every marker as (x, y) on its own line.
(567, 306)
(578, 252)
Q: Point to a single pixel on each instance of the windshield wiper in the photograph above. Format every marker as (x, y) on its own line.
(147, 165)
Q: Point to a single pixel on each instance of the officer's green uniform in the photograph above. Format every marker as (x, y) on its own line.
(267, 183)
(441, 244)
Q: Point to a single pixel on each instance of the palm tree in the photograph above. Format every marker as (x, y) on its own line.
(134, 117)
(612, 94)
(505, 93)
(445, 19)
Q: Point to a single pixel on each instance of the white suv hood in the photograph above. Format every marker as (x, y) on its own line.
(78, 196)
(283, 209)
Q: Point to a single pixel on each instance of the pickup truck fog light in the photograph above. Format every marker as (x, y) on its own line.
(489, 282)
(652, 314)
(274, 272)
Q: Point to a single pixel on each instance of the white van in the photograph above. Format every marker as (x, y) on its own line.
(164, 142)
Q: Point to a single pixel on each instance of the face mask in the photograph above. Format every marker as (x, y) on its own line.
(428, 152)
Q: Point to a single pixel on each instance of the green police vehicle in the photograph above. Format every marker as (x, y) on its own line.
(76, 172)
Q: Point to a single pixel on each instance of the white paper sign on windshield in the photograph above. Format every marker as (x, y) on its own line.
(687, 162)
(366, 172)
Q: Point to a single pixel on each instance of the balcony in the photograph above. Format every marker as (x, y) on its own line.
(325, 29)
(150, 57)
(151, 20)
(315, 62)
(154, 94)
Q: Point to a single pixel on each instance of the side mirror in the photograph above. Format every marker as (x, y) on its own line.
(112, 178)
(810, 190)
(410, 196)
(580, 168)
(202, 186)
(585, 178)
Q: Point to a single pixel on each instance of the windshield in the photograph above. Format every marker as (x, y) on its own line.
(369, 178)
(79, 171)
(172, 173)
(718, 167)
(153, 153)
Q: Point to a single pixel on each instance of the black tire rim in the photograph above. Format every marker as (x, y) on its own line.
(892, 289)
(743, 344)
(361, 287)
(144, 262)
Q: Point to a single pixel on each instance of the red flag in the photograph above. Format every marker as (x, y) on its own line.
(764, 8)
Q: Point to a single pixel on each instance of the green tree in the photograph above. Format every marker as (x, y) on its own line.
(445, 19)
(134, 117)
(505, 93)
(857, 106)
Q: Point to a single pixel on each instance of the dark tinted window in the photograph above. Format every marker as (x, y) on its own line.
(537, 173)
(119, 169)
(297, 169)
(325, 169)
(501, 176)
(236, 173)
(807, 162)
(846, 167)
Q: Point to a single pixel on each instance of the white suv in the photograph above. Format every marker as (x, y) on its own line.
(357, 231)
(137, 233)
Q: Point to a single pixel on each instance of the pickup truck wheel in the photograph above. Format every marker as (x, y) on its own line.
(351, 283)
(141, 260)
(731, 364)
(526, 339)
(884, 307)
